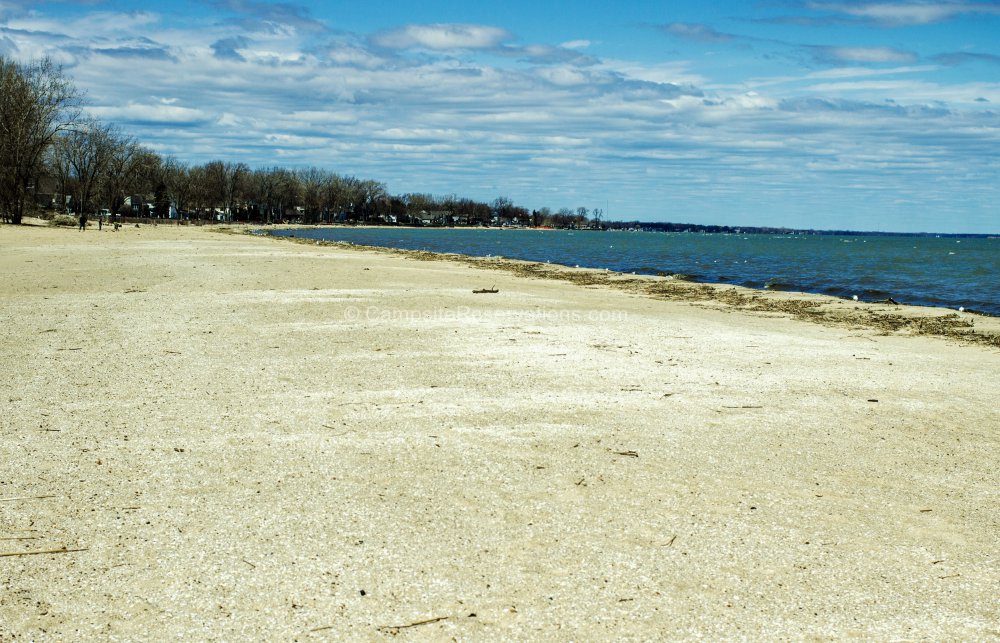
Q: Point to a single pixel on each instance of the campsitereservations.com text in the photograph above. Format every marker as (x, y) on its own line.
(469, 314)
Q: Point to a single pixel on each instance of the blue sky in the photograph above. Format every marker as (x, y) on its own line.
(812, 114)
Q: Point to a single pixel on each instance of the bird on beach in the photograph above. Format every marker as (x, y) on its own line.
(855, 297)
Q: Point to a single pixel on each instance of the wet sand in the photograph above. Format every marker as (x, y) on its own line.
(226, 437)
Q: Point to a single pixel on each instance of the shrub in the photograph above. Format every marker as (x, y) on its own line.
(66, 220)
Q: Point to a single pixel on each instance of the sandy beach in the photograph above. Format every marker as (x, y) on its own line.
(212, 436)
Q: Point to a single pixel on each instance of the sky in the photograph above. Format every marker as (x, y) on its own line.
(879, 115)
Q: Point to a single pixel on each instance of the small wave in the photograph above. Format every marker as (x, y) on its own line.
(775, 284)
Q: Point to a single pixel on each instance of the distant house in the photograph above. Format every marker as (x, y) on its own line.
(435, 217)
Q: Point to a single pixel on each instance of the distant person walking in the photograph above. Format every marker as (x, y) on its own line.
(83, 221)
(100, 222)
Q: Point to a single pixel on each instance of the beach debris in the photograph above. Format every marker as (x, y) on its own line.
(62, 550)
(481, 291)
(873, 400)
(26, 498)
(396, 628)
(629, 453)
(961, 309)
(855, 297)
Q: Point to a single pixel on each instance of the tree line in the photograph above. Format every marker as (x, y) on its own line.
(55, 159)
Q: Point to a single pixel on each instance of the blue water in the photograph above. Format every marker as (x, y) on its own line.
(925, 271)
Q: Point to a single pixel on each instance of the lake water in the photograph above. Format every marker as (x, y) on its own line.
(926, 271)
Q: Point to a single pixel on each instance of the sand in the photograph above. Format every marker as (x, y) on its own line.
(227, 437)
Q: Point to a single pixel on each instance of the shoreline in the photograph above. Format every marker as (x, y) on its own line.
(825, 309)
(219, 436)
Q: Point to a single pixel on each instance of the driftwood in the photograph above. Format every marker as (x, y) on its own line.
(26, 498)
(63, 550)
(415, 624)
(483, 291)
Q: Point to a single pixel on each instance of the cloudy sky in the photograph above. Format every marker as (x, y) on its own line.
(819, 114)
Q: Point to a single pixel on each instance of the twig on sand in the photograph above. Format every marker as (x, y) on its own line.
(743, 407)
(62, 550)
(631, 454)
(26, 498)
(414, 624)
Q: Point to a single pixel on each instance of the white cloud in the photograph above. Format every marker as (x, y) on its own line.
(908, 13)
(856, 72)
(443, 37)
(161, 112)
(867, 54)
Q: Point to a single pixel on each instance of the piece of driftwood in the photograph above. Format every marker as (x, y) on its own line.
(62, 550)
(414, 624)
(483, 291)
(25, 498)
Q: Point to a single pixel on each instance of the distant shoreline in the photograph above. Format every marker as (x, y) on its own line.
(654, 226)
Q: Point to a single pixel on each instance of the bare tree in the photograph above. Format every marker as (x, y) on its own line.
(225, 182)
(313, 181)
(177, 176)
(37, 102)
(271, 191)
(127, 165)
(84, 153)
